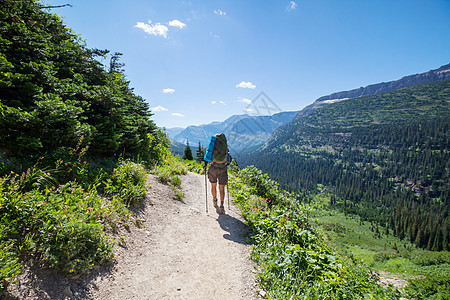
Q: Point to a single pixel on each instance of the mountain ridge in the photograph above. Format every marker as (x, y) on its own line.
(439, 74)
(442, 73)
(242, 131)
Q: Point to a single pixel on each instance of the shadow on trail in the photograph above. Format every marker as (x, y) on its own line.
(235, 228)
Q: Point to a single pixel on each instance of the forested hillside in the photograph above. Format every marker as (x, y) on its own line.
(74, 139)
(54, 92)
(384, 157)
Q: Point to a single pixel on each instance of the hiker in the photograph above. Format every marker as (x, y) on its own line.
(219, 158)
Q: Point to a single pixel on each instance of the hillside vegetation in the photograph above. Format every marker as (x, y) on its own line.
(54, 92)
(295, 261)
(69, 129)
(384, 157)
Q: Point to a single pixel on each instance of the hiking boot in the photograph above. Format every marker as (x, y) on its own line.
(221, 210)
(215, 202)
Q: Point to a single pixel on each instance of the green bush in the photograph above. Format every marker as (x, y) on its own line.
(179, 195)
(70, 165)
(76, 246)
(9, 263)
(64, 227)
(385, 256)
(162, 173)
(175, 165)
(195, 166)
(158, 147)
(127, 182)
(429, 287)
(168, 173)
(176, 181)
(262, 186)
(429, 258)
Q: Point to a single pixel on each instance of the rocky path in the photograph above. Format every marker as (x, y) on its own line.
(178, 252)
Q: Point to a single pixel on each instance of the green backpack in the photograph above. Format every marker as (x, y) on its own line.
(220, 150)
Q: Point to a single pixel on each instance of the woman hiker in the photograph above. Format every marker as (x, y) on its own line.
(218, 156)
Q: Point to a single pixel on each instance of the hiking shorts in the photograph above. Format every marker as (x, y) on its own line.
(218, 173)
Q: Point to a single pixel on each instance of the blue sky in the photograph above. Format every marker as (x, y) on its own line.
(201, 61)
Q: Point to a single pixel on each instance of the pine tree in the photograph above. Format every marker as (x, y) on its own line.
(200, 153)
(187, 152)
(61, 94)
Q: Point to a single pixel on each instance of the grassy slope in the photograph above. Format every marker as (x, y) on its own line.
(381, 252)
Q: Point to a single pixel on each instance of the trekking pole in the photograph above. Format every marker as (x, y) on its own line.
(228, 194)
(228, 191)
(206, 190)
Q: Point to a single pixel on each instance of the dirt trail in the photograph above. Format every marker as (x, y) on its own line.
(179, 252)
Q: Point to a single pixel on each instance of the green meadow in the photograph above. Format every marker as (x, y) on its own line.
(383, 252)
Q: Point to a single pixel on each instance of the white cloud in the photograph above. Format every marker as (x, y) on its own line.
(292, 6)
(159, 108)
(216, 36)
(168, 91)
(157, 29)
(220, 102)
(177, 115)
(245, 100)
(176, 23)
(220, 12)
(248, 109)
(246, 85)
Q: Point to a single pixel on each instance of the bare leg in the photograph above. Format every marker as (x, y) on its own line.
(222, 198)
(222, 193)
(214, 194)
(214, 189)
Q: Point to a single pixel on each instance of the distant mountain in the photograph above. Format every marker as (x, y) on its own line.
(178, 148)
(385, 157)
(443, 73)
(201, 133)
(242, 131)
(171, 132)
